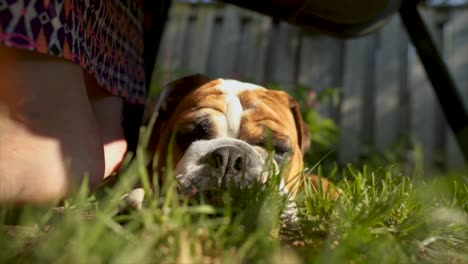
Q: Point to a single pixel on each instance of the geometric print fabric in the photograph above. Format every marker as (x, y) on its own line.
(105, 37)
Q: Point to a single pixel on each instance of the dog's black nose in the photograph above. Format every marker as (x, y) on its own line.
(228, 160)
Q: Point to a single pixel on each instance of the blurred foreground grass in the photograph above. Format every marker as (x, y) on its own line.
(383, 216)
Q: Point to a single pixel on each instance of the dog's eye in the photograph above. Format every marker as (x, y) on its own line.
(190, 132)
(282, 149)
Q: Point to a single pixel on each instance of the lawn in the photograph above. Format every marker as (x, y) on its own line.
(384, 215)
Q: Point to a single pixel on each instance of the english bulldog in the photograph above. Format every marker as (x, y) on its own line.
(222, 132)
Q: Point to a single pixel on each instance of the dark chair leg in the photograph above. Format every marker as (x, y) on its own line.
(438, 74)
(155, 13)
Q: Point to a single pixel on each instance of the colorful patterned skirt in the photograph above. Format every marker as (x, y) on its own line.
(105, 37)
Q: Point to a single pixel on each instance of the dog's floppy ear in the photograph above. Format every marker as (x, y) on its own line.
(301, 126)
(172, 94)
(168, 100)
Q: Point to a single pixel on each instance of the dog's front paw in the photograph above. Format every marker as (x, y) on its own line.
(134, 199)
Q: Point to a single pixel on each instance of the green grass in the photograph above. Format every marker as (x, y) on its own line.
(382, 216)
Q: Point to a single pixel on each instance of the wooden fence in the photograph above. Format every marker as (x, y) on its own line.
(384, 92)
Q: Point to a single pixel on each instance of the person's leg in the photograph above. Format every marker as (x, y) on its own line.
(108, 112)
(49, 137)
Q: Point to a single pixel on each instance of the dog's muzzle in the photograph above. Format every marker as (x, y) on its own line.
(220, 163)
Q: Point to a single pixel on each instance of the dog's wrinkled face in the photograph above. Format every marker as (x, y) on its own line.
(224, 131)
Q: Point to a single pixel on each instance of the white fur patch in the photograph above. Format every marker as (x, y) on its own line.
(235, 87)
(232, 89)
(233, 115)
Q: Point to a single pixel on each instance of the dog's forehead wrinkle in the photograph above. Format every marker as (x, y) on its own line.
(234, 109)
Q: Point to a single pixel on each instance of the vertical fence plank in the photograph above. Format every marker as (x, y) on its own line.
(358, 55)
(368, 98)
(426, 115)
(200, 45)
(245, 64)
(390, 60)
(170, 56)
(321, 66)
(263, 29)
(284, 54)
(422, 104)
(270, 51)
(457, 56)
(253, 42)
(224, 44)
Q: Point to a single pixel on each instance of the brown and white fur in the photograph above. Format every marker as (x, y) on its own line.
(224, 131)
